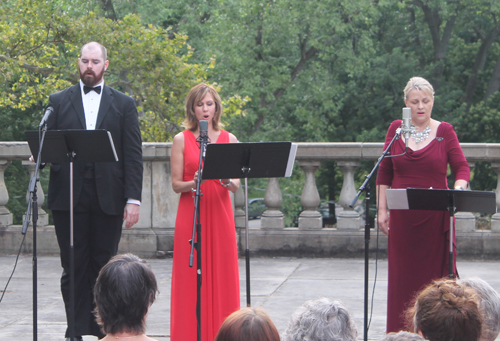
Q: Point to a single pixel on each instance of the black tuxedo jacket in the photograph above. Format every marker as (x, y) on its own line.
(115, 181)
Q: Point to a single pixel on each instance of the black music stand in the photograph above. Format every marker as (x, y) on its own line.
(443, 200)
(63, 146)
(249, 160)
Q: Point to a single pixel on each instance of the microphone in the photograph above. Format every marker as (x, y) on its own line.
(406, 125)
(203, 128)
(46, 115)
(203, 136)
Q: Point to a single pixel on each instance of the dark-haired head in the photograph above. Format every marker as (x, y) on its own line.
(248, 324)
(124, 291)
(446, 310)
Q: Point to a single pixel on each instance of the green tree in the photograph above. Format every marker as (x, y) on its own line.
(39, 47)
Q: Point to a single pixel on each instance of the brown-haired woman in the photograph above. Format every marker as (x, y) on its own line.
(220, 293)
(446, 310)
(248, 324)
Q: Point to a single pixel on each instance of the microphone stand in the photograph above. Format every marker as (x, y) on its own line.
(33, 207)
(366, 187)
(203, 140)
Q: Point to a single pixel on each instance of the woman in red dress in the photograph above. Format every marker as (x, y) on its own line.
(418, 243)
(220, 291)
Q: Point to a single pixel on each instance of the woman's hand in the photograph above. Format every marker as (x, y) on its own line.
(196, 179)
(383, 221)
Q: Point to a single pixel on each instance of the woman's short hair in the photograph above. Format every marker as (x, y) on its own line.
(489, 305)
(401, 336)
(196, 95)
(248, 324)
(322, 319)
(125, 289)
(446, 310)
(418, 83)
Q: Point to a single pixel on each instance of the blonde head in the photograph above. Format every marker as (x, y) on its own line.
(418, 83)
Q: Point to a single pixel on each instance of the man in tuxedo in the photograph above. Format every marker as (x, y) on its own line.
(104, 193)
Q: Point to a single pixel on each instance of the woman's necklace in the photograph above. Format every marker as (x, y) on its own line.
(418, 136)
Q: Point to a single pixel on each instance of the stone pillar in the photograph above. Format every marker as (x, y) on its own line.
(348, 219)
(310, 218)
(273, 218)
(164, 201)
(5, 216)
(495, 219)
(465, 221)
(43, 217)
(239, 203)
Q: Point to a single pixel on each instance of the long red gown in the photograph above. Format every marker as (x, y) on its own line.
(220, 289)
(418, 244)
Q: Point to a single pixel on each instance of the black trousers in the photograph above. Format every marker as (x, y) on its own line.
(96, 236)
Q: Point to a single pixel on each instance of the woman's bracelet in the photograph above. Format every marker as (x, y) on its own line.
(226, 185)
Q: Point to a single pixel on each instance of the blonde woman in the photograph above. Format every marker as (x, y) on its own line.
(418, 246)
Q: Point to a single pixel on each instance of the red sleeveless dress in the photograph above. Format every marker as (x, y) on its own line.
(220, 289)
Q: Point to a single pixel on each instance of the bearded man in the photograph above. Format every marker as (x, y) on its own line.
(104, 193)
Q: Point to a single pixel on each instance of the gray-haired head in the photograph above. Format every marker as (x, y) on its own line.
(402, 336)
(321, 320)
(489, 305)
(418, 83)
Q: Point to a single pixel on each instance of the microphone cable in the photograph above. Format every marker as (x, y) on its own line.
(13, 270)
(376, 255)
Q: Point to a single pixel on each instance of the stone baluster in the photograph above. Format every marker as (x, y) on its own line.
(239, 203)
(495, 219)
(310, 218)
(43, 217)
(273, 218)
(348, 218)
(5, 216)
(465, 221)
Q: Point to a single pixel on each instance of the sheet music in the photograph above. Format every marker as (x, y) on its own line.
(112, 145)
(397, 199)
(291, 160)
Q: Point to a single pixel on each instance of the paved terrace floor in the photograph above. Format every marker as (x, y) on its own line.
(279, 285)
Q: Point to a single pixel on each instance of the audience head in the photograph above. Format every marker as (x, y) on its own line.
(196, 95)
(321, 320)
(248, 324)
(125, 289)
(402, 336)
(447, 310)
(489, 305)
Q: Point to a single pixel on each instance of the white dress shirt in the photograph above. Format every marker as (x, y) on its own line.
(91, 102)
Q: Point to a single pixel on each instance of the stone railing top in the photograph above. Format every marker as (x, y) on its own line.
(373, 150)
(155, 151)
(158, 151)
(11, 150)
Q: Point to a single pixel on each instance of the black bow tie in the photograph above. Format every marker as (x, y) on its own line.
(87, 89)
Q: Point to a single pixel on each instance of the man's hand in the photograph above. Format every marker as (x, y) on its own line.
(131, 215)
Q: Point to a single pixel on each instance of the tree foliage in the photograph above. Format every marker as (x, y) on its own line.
(41, 44)
(323, 70)
(39, 47)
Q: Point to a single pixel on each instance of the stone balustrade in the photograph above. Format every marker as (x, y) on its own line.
(155, 230)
